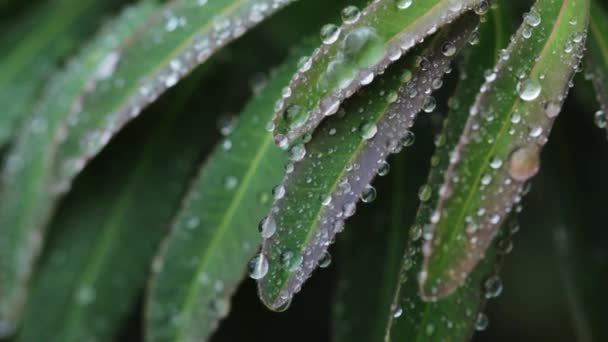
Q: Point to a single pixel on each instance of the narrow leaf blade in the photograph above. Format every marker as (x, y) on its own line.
(334, 169)
(352, 56)
(500, 146)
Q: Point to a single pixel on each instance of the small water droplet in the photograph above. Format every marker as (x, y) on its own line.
(369, 194)
(330, 34)
(404, 4)
(267, 227)
(258, 267)
(529, 89)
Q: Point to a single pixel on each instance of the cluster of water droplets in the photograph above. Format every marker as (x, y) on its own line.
(501, 184)
(352, 55)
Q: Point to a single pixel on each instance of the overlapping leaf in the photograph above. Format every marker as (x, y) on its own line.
(26, 178)
(454, 317)
(500, 146)
(353, 54)
(335, 168)
(598, 49)
(125, 69)
(111, 225)
(33, 47)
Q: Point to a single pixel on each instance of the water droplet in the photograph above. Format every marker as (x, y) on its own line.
(496, 163)
(482, 322)
(296, 116)
(552, 108)
(297, 152)
(404, 4)
(368, 130)
(600, 119)
(330, 34)
(369, 194)
(425, 192)
(230, 182)
(524, 163)
(429, 104)
(532, 18)
(529, 89)
(267, 227)
(384, 169)
(325, 260)
(408, 139)
(350, 14)
(278, 192)
(448, 49)
(258, 267)
(492, 287)
(85, 295)
(397, 312)
(290, 261)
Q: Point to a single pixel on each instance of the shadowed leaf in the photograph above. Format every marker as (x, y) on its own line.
(335, 168)
(500, 146)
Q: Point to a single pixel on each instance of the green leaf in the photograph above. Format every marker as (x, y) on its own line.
(336, 167)
(111, 225)
(26, 180)
(127, 67)
(33, 47)
(214, 237)
(353, 55)
(454, 317)
(500, 146)
(598, 58)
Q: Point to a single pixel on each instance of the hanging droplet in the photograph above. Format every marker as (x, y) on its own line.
(325, 260)
(350, 14)
(258, 267)
(482, 322)
(600, 119)
(278, 192)
(425, 192)
(267, 227)
(429, 104)
(369, 194)
(492, 287)
(329, 34)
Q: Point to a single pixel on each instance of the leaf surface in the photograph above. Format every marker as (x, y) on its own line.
(353, 54)
(335, 168)
(499, 149)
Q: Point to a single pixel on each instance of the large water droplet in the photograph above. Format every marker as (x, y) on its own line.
(330, 33)
(524, 163)
(529, 89)
(258, 267)
(404, 4)
(267, 227)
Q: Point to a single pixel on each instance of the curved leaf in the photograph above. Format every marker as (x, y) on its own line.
(101, 91)
(212, 238)
(353, 55)
(598, 58)
(35, 45)
(110, 226)
(454, 318)
(338, 164)
(500, 146)
(26, 196)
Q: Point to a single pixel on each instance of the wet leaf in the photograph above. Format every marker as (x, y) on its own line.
(353, 54)
(33, 47)
(335, 168)
(26, 181)
(110, 226)
(455, 317)
(598, 59)
(126, 68)
(214, 235)
(500, 146)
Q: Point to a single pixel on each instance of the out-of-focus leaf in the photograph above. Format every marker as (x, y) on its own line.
(598, 60)
(32, 48)
(336, 167)
(112, 223)
(499, 149)
(352, 54)
(214, 236)
(453, 318)
(26, 183)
